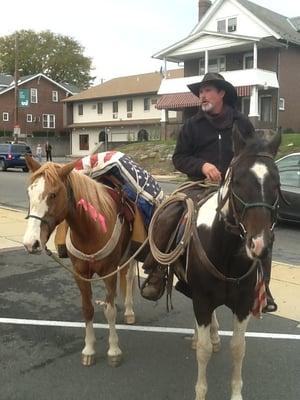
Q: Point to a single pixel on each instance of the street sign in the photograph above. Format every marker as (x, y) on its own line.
(17, 130)
(23, 97)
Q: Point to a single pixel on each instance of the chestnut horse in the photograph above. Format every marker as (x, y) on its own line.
(98, 240)
(233, 233)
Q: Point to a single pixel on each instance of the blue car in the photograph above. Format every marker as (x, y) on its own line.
(12, 155)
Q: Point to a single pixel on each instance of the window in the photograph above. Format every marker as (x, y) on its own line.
(100, 108)
(216, 64)
(83, 142)
(33, 96)
(129, 105)
(221, 25)
(227, 25)
(246, 105)
(49, 121)
(147, 104)
(266, 108)
(115, 109)
(248, 61)
(29, 118)
(80, 109)
(281, 104)
(290, 178)
(94, 106)
(55, 96)
(5, 116)
(232, 24)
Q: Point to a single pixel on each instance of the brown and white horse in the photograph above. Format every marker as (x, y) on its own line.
(97, 242)
(234, 228)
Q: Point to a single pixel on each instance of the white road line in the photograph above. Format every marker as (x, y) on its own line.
(139, 328)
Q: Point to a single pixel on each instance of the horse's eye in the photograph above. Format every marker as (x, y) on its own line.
(52, 195)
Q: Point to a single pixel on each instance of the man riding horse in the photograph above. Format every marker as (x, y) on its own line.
(203, 152)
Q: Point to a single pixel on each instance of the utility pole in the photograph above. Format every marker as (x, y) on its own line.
(16, 126)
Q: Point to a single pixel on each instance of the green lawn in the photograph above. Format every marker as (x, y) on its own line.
(290, 143)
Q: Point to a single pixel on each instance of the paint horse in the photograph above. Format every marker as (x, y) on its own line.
(233, 232)
(98, 240)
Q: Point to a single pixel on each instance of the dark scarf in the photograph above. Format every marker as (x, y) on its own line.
(221, 121)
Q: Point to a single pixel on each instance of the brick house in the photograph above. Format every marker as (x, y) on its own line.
(119, 110)
(254, 48)
(40, 108)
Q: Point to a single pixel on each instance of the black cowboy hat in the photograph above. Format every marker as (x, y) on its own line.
(218, 81)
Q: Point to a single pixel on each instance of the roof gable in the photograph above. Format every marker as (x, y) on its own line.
(28, 78)
(253, 18)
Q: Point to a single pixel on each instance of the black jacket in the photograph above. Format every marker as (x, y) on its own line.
(200, 142)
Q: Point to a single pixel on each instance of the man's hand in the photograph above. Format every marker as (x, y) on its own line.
(211, 172)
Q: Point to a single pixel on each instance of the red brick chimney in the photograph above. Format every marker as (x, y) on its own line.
(203, 6)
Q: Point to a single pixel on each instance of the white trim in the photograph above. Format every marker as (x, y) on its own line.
(29, 118)
(55, 96)
(34, 77)
(175, 46)
(281, 107)
(6, 114)
(141, 328)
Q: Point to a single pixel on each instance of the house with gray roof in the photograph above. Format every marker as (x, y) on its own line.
(256, 49)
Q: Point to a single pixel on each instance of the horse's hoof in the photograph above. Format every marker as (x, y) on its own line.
(87, 360)
(216, 347)
(129, 319)
(114, 361)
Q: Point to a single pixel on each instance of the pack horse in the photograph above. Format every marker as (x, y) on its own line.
(98, 240)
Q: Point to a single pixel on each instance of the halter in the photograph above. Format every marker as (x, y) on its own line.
(43, 220)
(239, 227)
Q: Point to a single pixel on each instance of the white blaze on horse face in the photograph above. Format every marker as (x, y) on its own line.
(38, 207)
(260, 171)
(207, 211)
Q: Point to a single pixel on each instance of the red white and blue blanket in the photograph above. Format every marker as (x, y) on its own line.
(137, 183)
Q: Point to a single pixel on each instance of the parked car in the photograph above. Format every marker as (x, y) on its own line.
(12, 155)
(289, 171)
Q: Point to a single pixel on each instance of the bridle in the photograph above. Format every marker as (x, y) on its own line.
(238, 226)
(43, 220)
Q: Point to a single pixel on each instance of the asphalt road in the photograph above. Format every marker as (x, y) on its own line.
(43, 362)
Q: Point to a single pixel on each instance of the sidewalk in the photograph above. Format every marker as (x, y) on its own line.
(285, 277)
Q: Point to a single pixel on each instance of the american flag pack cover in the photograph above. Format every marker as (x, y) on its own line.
(137, 183)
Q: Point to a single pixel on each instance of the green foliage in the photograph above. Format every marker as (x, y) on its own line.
(59, 57)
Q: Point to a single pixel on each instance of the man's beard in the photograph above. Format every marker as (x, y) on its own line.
(207, 107)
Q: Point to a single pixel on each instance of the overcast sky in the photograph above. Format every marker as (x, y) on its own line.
(119, 35)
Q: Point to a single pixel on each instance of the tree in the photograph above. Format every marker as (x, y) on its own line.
(59, 57)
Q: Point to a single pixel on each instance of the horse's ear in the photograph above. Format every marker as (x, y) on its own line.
(66, 169)
(31, 163)
(272, 139)
(238, 141)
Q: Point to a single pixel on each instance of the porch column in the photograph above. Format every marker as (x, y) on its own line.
(254, 112)
(206, 61)
(163, 124)
(255, 55)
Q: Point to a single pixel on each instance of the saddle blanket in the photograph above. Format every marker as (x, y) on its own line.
(137, 183)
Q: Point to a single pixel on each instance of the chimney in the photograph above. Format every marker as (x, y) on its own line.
(203, 6)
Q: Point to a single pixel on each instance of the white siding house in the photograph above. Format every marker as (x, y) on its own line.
(120, 110)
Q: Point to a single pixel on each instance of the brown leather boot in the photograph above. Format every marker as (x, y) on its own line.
(154, 286)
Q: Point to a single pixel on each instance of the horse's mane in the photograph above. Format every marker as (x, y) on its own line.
(83, 187)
